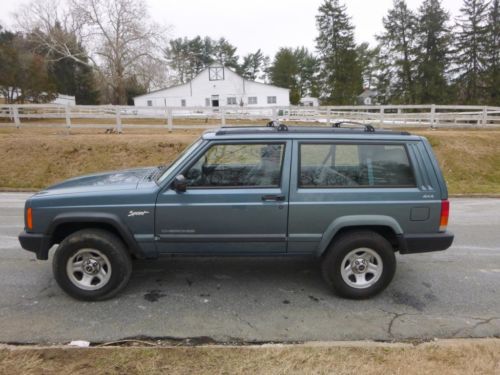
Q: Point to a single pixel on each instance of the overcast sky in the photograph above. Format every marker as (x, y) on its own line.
(253, 24)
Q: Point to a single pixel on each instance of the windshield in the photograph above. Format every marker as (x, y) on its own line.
(182, 156)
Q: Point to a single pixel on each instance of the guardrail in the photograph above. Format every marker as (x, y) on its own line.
(170, 118)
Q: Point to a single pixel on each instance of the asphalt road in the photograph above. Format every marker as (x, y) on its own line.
(455, 293)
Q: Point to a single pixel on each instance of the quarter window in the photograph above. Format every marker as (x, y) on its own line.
(238, 165)
(271, 100)
(350, 165)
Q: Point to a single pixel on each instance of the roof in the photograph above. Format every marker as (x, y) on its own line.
(201, 72)
(368, 93)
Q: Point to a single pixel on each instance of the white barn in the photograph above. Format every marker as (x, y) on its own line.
(216, 86)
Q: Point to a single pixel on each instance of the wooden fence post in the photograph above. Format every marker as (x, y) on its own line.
(170, 122)
(222, 116)
(67, 114)
(118, 120)
(17, 120)
(274, 117)
(484, 117)
(433, 115)
(328, 116)
(382, 112)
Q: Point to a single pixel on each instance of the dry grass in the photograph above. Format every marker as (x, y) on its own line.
(455, 357)
(36, 158)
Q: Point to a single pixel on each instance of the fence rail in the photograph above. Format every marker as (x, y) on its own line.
(170, 118)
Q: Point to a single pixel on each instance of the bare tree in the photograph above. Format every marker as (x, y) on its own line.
(118, 34)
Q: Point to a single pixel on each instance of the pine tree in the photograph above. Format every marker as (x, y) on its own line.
(398, 44)
(433, 53)
(470, 51)
(284, 72)
(493, 54)
(340, 71)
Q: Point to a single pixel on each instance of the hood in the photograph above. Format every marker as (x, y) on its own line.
(123, 179)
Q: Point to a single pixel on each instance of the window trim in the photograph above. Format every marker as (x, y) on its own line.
(338, 187)
(256, 142)
(253, 97)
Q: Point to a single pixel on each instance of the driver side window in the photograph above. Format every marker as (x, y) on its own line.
(237, 165)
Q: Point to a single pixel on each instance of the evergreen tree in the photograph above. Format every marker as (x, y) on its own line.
(284, 71)
(340, 71)
(188, 57)
(433, 53)
(252, 66)
(367, 58)
(470, 51)
(297, 71)
(398, 44)
(493, 54)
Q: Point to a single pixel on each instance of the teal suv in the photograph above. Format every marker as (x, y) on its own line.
(349, 195)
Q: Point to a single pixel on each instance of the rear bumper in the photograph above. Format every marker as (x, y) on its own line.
(36, 243)
(423, 243)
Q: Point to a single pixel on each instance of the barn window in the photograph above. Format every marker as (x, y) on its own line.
(207, 102)
(183, 102)
(271, 100)
(231, 100)
(150, 103)
(216, 73)
(252, 100)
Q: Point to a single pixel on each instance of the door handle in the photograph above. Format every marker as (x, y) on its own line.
(275, 198)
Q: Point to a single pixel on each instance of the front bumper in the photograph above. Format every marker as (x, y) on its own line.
(423, 243)
(36, 243)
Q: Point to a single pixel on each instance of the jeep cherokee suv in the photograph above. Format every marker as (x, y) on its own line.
(349, 196)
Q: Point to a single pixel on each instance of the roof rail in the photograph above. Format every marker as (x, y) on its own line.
(368, 127)
(275, 127)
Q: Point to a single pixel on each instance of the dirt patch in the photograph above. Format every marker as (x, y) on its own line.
(36, 158)
(448, 357)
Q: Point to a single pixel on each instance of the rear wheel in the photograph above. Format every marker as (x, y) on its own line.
(92, 265)
(359, 264)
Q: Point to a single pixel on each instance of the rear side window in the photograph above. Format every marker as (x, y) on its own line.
(354, 165)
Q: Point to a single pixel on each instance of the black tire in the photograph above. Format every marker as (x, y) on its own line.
(108, 245)
(341, 247)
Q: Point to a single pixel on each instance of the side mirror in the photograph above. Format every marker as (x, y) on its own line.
(180, 183)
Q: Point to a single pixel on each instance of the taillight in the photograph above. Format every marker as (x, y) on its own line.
(29, 218)
(445, 213)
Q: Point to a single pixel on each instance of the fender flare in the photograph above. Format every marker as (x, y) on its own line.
(355, 221)
(97, 217)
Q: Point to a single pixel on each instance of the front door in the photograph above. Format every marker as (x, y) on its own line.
(236, 201)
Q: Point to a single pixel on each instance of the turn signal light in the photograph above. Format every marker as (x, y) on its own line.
(29, 218)
(445, 213)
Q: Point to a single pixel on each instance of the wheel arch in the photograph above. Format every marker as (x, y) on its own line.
(386, 226)
(65, 224)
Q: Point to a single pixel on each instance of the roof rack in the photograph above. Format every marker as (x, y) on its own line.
(275, 126)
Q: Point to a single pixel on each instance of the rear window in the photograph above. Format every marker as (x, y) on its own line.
(354, 165)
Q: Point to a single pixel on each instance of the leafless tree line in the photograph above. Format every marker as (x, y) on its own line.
(119, 39)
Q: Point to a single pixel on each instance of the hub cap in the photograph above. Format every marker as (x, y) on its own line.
(361, 268)
(89, 269)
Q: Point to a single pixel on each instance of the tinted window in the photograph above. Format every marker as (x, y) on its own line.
(238, 165)
(349, 165)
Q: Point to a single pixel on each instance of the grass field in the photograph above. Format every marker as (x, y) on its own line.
(36, 158)
(442, 357)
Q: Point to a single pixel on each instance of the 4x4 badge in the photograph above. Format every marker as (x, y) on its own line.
(137, 213)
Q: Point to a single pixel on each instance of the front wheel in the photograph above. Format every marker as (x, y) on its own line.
(92, 265)
(359, 264)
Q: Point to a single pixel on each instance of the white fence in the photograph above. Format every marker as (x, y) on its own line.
(119, 117)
